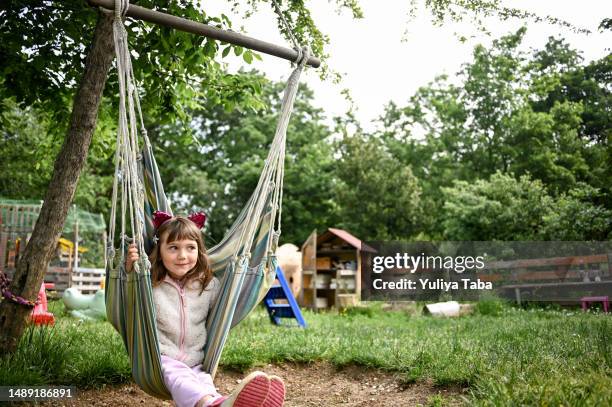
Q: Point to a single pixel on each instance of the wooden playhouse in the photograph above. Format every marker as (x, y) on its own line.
(331, 270)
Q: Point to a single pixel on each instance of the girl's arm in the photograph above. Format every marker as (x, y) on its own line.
(131, 258)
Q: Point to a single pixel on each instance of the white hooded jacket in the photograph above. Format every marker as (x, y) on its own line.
(181, 318)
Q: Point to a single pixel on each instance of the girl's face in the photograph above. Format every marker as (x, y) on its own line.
(179, 257)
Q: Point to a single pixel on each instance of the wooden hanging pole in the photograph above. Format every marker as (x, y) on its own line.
(183, 24)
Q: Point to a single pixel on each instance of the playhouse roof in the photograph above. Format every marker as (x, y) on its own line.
(347, 237)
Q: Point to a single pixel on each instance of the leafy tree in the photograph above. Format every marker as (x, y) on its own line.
(588, 88)
(50, 55)
(28, 146)
(547, 146)
(501, 208)
(564, 79)
(575, 217)
(24, 143)
(506, 208)
(378, 197)
(476, 11)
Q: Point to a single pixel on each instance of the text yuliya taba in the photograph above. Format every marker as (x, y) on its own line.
(428, 284)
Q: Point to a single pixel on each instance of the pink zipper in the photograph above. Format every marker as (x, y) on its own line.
(183, 322)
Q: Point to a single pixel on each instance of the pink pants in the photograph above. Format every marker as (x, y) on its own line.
(187, 384)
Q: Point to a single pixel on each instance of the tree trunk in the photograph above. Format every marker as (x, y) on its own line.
(68, 165)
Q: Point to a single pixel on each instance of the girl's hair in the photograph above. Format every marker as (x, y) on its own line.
(180, 228)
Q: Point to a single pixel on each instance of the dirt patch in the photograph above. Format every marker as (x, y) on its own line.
(307, 385)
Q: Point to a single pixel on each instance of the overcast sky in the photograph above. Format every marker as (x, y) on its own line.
(386, 56)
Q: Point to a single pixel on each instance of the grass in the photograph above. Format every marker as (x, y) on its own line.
(84, 354)
(503, 355)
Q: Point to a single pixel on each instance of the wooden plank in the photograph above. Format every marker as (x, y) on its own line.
(309, 264)
(13, 217)
(88, 289)
(16, 252)
(531, 276)
(88, 279)
(358, 277)
(20, 222)
(91, 270)
(11, 259)
(23, 242)
(552, 261)
(56, 277)
(566, 284)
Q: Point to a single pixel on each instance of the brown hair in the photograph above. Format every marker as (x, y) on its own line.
(180, 228)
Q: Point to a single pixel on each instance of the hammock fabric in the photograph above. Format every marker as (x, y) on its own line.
(244, 260)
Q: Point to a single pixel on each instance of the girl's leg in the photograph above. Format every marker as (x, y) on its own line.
(206, 382)
(183, 383)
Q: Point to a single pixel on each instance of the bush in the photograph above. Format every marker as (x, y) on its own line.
(491, 305)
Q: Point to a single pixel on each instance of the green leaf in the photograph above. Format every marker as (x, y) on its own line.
(209, 48)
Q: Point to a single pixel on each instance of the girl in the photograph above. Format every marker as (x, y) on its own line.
(184, 290)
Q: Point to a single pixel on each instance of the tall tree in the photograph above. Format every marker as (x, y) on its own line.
(378, 197)
(38, 251)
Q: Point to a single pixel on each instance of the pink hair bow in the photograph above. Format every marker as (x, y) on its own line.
(199, 218)
(160, 217)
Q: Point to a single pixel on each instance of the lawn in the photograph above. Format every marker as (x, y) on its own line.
(503, 355)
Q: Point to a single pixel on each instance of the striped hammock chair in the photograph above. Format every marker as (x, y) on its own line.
(243, 261)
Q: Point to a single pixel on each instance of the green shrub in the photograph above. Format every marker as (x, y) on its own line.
(491, 305)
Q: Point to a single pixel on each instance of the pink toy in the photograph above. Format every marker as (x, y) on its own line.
(586, 301)
(40, 314)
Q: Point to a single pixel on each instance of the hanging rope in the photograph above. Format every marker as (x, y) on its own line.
(127, 182)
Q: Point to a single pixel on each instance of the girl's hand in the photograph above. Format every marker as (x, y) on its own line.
(132, 257)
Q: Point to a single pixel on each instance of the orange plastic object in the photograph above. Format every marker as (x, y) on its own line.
(40, 314)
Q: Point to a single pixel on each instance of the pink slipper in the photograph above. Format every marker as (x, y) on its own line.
(276, 395)
(251, 392)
